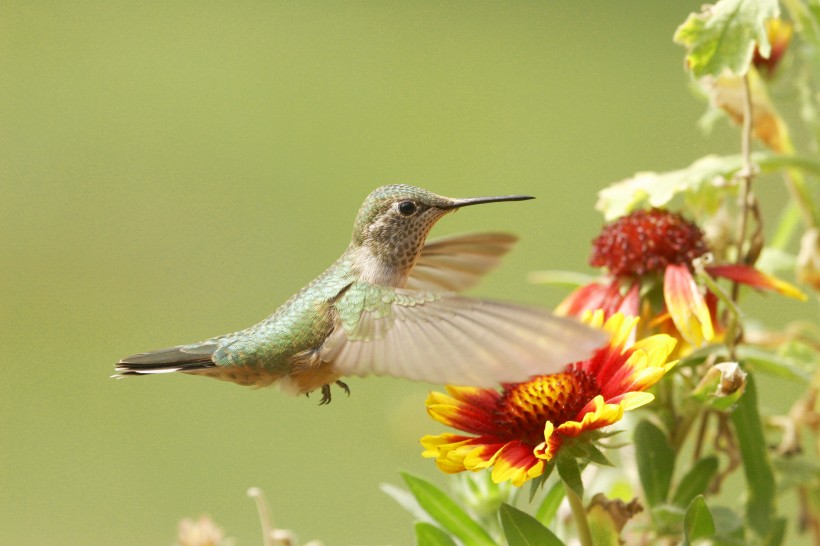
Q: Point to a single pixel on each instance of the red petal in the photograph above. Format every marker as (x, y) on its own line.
(755, 278)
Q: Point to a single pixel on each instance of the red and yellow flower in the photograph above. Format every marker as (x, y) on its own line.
(519, 430)
(648, 249)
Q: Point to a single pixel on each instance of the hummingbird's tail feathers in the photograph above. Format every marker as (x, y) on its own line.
(450, 339)
(454, 264)
(184, 358)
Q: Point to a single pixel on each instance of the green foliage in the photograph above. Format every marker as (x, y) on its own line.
(696, 182)
(698, 522)
(696, 481)
(444, 511)
(703, 185)
(521, 529)
(656, 462)
(538, 482)
(549, 505)
(712, 419)
(723, 36)
(782, 363)
(570, 473)
(760, 501)
(428, 534)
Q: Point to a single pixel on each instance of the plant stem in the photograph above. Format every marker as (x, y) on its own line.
(580, 515)
(745, 176)
(264, 516)
(704, 421)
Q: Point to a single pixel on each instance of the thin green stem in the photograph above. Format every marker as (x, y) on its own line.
(747, 172)
(579, 513)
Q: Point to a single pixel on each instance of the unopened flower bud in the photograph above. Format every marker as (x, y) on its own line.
(721, 386)
(732, 378)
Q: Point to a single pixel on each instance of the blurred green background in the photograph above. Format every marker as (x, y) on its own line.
(172, 171)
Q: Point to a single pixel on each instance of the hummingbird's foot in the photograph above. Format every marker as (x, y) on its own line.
(326, 392)
(325, 395)
(344, 387)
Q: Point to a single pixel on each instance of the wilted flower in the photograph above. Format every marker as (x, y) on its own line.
(520, 429)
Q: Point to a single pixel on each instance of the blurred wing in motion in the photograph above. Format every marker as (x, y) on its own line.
(445, 338)
(456, 263)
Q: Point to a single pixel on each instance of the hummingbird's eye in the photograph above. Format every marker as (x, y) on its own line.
(407, 208)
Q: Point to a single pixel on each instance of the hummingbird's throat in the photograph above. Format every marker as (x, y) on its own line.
(393, 246)
(373, 269)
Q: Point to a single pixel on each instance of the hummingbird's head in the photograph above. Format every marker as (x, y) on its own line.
(392, 225)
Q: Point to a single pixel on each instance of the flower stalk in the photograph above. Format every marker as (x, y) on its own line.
(579, 514)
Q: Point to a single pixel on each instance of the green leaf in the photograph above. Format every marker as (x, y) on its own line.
(760, 506)
(549, 506)
(728, 524)
(521, 529)
(446, 512)
(668, 518)
(570, 473)
(656, 462)
(777, 533)
(777, 365)
(538, 482)
(801, 470)
(698, 523)
(695, 481)
(697, 182)
(595, 455)
(406, 500)
(428, 534)
(725, 34)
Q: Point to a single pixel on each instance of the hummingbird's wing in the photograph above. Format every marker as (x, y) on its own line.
(445, 338)
(457, 263)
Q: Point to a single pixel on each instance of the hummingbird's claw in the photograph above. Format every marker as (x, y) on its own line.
(325, 395)
(344, 387)
(326, 392)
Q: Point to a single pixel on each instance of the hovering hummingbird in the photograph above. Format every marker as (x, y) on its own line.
(388, 306)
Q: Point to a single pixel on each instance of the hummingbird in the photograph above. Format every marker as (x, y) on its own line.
(390, 305)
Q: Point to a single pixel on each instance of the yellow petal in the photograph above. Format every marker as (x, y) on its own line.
(687, 306)
(633, 400)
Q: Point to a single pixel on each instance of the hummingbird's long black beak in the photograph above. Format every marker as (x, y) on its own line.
(458, 203)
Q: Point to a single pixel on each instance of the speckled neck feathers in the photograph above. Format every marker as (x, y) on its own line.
(390, 231)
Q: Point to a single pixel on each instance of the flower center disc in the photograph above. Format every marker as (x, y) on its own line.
(525, 408)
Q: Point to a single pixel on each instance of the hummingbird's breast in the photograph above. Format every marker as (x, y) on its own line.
(373, 269)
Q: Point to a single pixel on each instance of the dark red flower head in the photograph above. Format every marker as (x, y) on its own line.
(647, 241)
